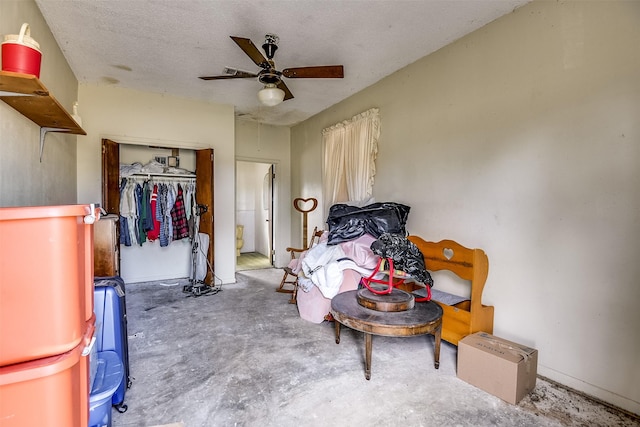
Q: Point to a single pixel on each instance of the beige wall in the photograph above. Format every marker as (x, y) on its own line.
(523, 139)
(134, 117)
(24, 181)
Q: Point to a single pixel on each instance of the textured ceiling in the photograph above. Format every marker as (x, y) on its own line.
(163, 46)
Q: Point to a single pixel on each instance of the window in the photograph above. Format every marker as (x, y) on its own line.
(350, 149)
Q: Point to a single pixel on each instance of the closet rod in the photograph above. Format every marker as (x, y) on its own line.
(164, 175)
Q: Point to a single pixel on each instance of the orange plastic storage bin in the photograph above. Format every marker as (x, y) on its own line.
(46, 280)
(53, 391)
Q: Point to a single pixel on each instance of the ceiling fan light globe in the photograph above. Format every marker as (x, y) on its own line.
(271, 95)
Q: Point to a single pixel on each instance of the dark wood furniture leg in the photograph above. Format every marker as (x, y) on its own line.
(436, 352)
(337, 331)
(367, 352)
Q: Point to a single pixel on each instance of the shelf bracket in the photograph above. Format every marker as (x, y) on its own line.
(43, 133)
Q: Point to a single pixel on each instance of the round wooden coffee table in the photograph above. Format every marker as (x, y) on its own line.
(423, 318)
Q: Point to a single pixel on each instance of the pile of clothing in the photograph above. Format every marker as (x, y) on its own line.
(357, 238)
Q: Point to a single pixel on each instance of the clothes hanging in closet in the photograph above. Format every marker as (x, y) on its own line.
(179, 217)
(152, 210)
(125, 238)
(154, 232)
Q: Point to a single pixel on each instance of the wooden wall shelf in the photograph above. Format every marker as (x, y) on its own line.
(30, 97)
(26, 94)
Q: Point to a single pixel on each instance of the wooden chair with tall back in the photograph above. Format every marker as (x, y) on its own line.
(291, 278)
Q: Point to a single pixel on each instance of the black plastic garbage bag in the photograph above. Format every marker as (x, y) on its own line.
(406, 256)
(348, 222)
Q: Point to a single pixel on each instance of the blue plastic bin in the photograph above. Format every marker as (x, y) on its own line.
(108, 378)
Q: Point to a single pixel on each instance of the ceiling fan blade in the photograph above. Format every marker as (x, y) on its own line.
(287, 92)
(252, 51)
(321, 72)
(236, 75)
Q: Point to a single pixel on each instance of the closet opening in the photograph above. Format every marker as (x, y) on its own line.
(182, 174)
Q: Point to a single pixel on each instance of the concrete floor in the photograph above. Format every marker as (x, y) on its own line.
(243, 357)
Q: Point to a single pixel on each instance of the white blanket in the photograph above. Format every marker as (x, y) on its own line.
(321, 266)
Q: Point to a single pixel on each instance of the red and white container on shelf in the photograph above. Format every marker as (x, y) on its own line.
(21, 53)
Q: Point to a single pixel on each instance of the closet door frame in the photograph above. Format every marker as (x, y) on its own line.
(204, 196)
(111, 176)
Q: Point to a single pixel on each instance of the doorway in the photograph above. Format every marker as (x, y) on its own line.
(254, 215)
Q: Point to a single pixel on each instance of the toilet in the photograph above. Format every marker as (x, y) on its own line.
(239, 241)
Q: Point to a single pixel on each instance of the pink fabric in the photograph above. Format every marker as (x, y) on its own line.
(294, 265)
(312, 305)
(359, 250)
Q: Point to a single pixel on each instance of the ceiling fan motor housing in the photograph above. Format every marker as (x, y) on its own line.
(270, 45)
(269, 75)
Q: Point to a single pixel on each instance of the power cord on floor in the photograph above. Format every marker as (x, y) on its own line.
(201, 288)
(198, 287)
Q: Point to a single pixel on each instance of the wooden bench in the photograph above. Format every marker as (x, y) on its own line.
(471, 265)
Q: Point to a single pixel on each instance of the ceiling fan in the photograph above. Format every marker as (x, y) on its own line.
(275, 90)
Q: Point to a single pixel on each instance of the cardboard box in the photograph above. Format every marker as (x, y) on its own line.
(500, 367)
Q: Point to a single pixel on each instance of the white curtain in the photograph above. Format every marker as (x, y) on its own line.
(334, 185)
(350, 149)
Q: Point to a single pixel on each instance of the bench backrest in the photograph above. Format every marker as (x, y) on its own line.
(468, 264)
